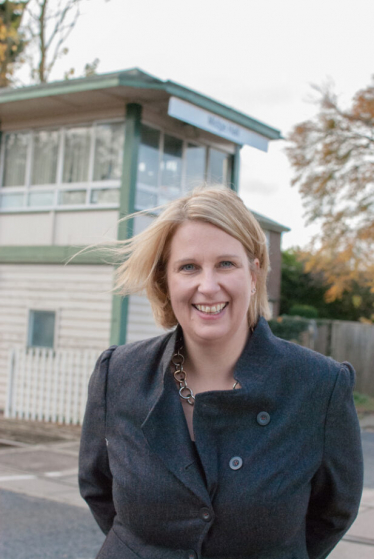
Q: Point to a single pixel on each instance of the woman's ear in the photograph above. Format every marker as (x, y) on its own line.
(256, 264)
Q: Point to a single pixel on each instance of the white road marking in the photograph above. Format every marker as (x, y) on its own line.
(71, 472)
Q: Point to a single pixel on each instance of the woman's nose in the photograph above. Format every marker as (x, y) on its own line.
(208, 282)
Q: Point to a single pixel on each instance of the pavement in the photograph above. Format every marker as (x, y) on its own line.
(39, 460)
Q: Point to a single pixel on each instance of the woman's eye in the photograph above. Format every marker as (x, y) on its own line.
(226, 264)
(188, 267)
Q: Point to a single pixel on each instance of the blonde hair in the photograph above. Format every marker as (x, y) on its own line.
(146, 254)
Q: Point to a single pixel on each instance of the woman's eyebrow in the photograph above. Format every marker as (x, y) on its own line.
(184, 260)
(219, 257)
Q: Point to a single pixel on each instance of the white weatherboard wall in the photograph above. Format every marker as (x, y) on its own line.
(80, 295)
(141, 324)
(140, 321)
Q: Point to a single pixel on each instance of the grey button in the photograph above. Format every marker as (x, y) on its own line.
(236, 463)
(191, 554)
(205, 514)
(263, 418)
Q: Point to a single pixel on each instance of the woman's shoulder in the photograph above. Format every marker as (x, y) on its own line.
(298, 362)
(308, 362)
(141, 349)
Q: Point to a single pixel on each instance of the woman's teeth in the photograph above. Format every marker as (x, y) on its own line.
(214, 309)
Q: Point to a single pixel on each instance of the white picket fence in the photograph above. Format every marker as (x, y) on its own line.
(48, 385)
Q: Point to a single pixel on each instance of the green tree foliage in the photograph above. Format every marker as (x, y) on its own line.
(333, 160)
(12, 40)
(300, 287)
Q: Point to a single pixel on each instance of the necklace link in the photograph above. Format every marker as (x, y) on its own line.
(185, 392)
(180, 375)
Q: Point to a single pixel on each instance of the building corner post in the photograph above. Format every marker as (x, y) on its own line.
(132, 132)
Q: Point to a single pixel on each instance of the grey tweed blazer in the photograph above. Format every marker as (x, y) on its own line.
(277, 469)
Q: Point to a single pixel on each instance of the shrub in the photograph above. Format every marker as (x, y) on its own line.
(289, 327)
(306, 311)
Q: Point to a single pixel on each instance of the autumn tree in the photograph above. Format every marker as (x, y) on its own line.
(12, 40)
(332, 156)
(308, 288)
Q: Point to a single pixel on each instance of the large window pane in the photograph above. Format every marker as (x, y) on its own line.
(148, 168)
(171, 165)
(72, 197)
(171, 169)
(148, 159)
(41, 328)
(108, 151)
(77, 152)
(145, 200)
(16, 144)
(195, 165)
(218, 166)
(44, 164)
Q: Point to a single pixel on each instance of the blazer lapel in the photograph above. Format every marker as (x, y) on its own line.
(166, 431)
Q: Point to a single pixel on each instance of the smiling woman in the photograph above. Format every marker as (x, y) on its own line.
(191, 437)
(210, 294)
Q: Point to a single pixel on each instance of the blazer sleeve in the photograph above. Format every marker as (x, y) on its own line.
(337, 485)
(95, 478)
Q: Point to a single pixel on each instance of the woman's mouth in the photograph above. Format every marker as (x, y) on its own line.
(211, 309)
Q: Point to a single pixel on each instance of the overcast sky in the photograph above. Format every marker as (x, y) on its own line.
(259, 56)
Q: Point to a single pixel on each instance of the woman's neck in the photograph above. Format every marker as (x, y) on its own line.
(212, 364)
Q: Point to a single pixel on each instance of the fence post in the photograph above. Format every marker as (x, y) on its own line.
(329, 338)
(10, 389)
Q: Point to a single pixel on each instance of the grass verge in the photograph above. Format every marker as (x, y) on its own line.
(363, 403)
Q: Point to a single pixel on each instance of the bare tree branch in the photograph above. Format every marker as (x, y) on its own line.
(49, 27)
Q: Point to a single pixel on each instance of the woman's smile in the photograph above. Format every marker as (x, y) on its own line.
(210, 309)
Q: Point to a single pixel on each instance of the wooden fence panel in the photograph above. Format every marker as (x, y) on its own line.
(48, 385)
(354, 342)
(341, 340)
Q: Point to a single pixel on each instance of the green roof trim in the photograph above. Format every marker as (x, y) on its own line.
(57, 88)
(138, 79)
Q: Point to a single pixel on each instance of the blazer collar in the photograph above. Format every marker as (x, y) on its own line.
(256, 361)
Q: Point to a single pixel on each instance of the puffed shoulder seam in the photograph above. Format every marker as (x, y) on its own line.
(346, 371)
(107, 353)
(345, 366)
(104, 361)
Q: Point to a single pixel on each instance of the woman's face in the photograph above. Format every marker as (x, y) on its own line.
(209, 283)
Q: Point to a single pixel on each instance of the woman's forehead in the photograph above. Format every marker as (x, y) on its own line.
(197, 236)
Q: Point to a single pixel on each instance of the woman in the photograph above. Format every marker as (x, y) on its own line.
(217, 439)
